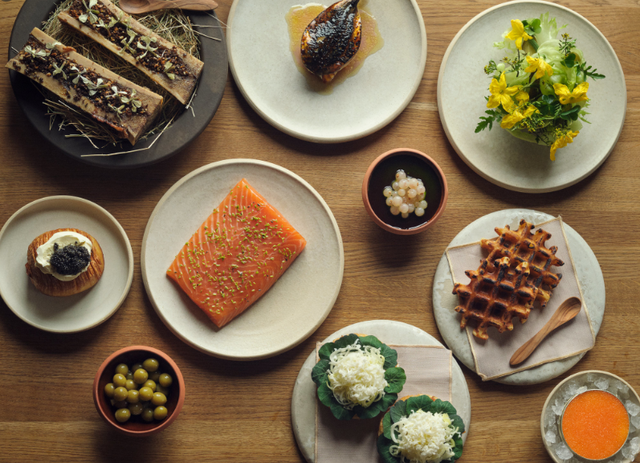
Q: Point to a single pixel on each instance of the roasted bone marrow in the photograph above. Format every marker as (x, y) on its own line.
(128, 109)
(166, 64)
(332, 39)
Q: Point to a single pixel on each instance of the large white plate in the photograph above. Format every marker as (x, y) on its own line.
(293, 308)
(263, 68)
(80, 311)
(303, 400)
(586, 267)
(495, 154)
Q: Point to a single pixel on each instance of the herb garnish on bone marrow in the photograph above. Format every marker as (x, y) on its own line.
(111, 99)
(166, 64)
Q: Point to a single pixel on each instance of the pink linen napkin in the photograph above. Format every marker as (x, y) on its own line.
(428, 370)
(492, 356)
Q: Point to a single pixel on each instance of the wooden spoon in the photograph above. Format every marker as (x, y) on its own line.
(144, 6)
(567, 311)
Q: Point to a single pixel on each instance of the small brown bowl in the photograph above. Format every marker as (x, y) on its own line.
(382, 172)
(130, 356)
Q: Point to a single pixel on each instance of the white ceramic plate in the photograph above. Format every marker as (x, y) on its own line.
(293, 308)
(495, 154)
(566, 390)
(303, 400)
(263, 68)
(80, 311)
(586, 267)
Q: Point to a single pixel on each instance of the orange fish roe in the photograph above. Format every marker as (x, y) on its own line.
(595, 424)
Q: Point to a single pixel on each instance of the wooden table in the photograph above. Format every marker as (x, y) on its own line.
(241, 411)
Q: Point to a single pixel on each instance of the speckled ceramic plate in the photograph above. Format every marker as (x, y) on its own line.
(303, 400)
(586, 267)
(495, 154)
(183, 130)
(293, 308)
(80, 311)
(263, 68)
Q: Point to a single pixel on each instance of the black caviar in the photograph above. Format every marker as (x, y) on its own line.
(69, 260)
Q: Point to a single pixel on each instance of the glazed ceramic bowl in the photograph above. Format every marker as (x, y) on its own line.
(130, 356)
(573, 386)
(382, 173)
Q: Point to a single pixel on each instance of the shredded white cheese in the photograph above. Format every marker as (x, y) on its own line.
(356, 375)
(423, 437)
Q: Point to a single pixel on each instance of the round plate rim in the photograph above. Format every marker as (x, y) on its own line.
(169, 193)
(205, 107)
(331, 139)
(363, 326)
(455, 146)
(103, 213)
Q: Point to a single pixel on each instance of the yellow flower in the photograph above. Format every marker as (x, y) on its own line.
(517, 33)
(501, 94)
(566, 97)
(516, 116)
(539, 66)
(561, 142)
(522, 98)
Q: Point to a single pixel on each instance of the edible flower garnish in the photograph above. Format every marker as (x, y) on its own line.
(538, 91)
(517, 33)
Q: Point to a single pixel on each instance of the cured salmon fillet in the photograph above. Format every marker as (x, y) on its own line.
(236, 255)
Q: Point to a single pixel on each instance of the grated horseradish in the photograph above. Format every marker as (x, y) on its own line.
(356, 375)
(423, 437)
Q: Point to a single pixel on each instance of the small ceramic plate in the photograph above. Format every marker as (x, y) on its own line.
(293, 308)
(264, 69)
(568, 389)
(495, 154)
(80, 311)
(586, 267)
(183, 130)
(303, 400)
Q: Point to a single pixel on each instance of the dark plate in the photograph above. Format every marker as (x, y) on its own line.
(183, 130)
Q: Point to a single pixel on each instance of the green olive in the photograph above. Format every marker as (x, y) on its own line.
(129, 375)
(135, 367)
(158, 398)
(147, 414)
(154, 376)
(120, 393)
(164, 390)
(119, 380)
(165, 380)
(130, 384)
(140, 375)
(145, 393)
(122, 369)
(150, 384)
(136, 409)
(133, 396)
(122, 415)
(108, 390)
(150, 365)
(160, 413)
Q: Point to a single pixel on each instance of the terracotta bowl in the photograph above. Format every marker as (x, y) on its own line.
(130, 356)
(382, 172)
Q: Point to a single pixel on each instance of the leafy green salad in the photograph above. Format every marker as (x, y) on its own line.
(539, 89)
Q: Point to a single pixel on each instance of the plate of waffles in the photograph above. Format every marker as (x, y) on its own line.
(546, 268)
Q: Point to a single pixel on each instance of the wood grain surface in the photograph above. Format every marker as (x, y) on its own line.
(241, 411)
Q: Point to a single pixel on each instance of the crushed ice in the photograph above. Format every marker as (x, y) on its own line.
(563, 451)
(601, 383)
(551, 436)
(632, 408)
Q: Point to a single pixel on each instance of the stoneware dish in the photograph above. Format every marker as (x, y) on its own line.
(132, 355)
(566, 391)
(382, 173)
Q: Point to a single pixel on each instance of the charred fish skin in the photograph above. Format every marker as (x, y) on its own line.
(332, 39)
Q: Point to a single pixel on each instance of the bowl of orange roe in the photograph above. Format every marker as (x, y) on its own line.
(592, 416)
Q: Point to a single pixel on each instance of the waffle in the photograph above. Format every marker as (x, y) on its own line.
(515, 274)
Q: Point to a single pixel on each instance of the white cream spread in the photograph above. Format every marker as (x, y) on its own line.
(356, 375)
(62, 239)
